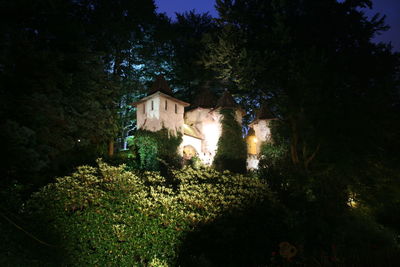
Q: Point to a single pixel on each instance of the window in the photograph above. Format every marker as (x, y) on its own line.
(166, 105)
(152, 105)
(144, 108)
(176, 108)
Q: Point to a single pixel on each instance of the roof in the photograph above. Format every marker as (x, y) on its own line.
(158, 93)
(251, 132)
(204, 98)
(226, 101)
(264, 113)
(161, 85)
(191, 131)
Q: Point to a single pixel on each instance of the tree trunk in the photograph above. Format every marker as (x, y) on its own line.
(111, 148)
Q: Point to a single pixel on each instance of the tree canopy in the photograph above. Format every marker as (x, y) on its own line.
(69, 70)
(61, 76)
(335, 92)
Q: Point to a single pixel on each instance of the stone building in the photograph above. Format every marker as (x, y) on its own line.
(199, 123)
(160, 109)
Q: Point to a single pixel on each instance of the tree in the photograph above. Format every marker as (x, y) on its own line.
(61, 78)
(190, 34)
(232, 150)
(333, 90)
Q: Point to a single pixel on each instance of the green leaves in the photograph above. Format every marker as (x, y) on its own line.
(109, 215)
(334, 91)
(64, 69)
(152, 150)
(232, 151)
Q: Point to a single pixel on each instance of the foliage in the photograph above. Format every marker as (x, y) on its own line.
(156, 150)
(196, 163)
(265, 49)
(108, 215)
(334, 92)
(70, 69)
(339, 234)
(190, 34)
(61, 76)
(19, 246)
(272, 154)
(274, 166)
(232, 151)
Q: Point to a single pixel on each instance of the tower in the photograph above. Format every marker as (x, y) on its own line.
(159, 109)
(259, 133)
(261, 126)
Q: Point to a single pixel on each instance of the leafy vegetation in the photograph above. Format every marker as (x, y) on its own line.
(333, 91)
(327, 192)
(232, 152)
(155, 150)
(108, 215)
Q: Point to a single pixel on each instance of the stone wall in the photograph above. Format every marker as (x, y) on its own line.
(158, 112)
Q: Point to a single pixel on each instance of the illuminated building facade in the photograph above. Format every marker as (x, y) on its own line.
(200, 125)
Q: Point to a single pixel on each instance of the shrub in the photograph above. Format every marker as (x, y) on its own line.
(106, 215)
(109, 216)
(155, 150)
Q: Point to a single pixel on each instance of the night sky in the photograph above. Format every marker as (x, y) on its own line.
(389, 7)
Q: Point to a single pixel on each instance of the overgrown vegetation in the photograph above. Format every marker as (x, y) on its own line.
(232, 150)
(70, 69)
(154, 151)
(107, 215)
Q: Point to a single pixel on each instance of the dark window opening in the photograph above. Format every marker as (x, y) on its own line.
(144, 108)
(176, 108)
(152, 105)
(166, 105)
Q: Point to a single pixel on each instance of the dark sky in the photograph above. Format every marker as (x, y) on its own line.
(389, 7)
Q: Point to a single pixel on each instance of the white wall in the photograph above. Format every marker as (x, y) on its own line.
(170, 119)
(192, 141)
(153, 108)
(252, 162)
(158, 117)
(208, 123)
(262, 132)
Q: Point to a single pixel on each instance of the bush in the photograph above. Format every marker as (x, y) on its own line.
(109, 216)
(155, 151)
(19, 247)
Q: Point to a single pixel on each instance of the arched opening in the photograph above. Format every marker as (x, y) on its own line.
(189, 152)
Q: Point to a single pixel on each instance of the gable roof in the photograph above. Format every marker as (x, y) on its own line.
(204, 98)
(226, 101)
(161, 85)
(251, 132)
(191, 131)
(264, 113)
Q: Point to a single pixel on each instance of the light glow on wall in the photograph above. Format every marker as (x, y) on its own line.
(212, 133)
(252, 144)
